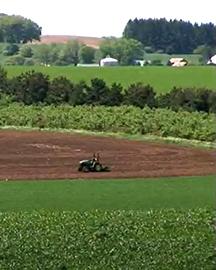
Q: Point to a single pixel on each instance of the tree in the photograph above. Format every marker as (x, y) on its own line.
(42, 54)
(86, 54)
(206, 51)
(171, 36)
(26, 51)
(125, 50)
(70, 53)
(17, 29)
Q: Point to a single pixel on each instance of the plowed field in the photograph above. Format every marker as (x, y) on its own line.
(52, 155)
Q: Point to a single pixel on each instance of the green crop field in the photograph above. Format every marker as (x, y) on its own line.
(181, 192)
(163, 79)
(108, 224)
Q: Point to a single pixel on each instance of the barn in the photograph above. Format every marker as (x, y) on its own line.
(212, 60)
(177, 62)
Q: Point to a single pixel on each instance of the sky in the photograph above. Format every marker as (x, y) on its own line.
(98, 18)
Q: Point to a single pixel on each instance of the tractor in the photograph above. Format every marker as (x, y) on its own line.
(92, 165)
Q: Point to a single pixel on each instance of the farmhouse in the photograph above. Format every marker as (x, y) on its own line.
(212, 60)
(177, 62)
(108, 61)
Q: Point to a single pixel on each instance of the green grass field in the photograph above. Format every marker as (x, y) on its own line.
(193, 59)
(182, 192)
(163, 79)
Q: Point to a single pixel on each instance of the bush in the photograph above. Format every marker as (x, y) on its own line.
(98, 93)
(3, 79)
(79, 94)
(15, 60)
(30, 87)
(126, 119)
(29, 62)
(156, 62)
(59, 91)
(140, 95)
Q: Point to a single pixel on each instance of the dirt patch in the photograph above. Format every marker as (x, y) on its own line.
(52, 155)
(59, 39)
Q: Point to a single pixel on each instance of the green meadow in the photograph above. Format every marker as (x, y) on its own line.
(86, 195)
(163, 79)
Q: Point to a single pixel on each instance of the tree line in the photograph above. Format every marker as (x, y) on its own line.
(173, 36)
(36, 88)
(73, 52)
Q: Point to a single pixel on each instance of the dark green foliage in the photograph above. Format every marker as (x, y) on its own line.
(98, 93)
(170, 36)
(30, 87)
(140, 95)
(189, 99)
(135, 240)
(115, 96)
(101, 94)
(202, 100)
(11, 49)
(212, 101)
(3, 79)
(17, 29)
(86, 54)
(182, 98)
(79, 94)
(59, 90)
(70, 53)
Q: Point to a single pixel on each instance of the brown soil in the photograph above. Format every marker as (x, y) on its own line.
(89, 41)
(44, 155)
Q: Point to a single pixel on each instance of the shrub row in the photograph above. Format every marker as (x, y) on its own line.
(127, 119)
(36, 88)
(162, 239)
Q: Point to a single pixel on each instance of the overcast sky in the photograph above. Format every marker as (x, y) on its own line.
(104, 17)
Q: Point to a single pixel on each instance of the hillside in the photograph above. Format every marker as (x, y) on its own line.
(89, 41)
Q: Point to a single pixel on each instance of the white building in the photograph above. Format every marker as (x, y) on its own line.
(177, 62)
(108, 61)
(212, 60)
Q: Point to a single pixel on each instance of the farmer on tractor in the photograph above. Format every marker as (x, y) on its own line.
(92, 165)
(95, 160)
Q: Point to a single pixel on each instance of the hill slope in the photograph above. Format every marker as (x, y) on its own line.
(89, 41)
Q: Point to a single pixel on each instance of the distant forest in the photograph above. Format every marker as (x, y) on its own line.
(171, 36)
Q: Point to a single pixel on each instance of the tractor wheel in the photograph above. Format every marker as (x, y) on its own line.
(85, 169)
(98, 168)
